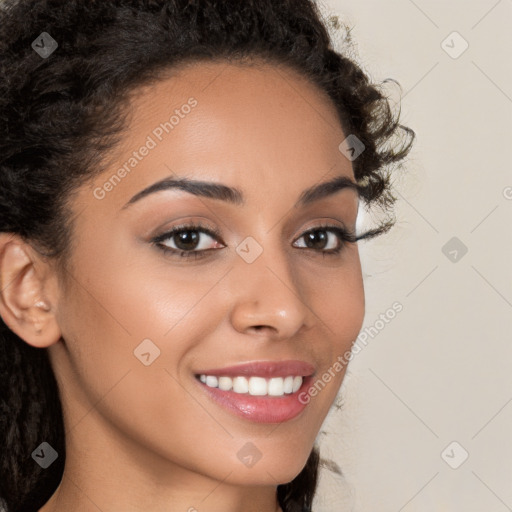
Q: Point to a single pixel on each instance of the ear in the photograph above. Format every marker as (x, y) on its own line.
(27, 292)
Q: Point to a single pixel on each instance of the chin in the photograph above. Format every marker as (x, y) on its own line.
(275, 469)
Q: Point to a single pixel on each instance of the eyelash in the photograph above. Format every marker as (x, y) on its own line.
(344, 236)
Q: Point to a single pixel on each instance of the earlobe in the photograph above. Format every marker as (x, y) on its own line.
(24, 305)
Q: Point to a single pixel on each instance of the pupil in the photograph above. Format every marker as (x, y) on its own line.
(314, 238)
(186, 241)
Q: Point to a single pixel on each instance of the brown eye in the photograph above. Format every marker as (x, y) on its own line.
(317, 239)
(188, 240)
(327, 240)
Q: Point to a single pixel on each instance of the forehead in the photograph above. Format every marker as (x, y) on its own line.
(256, 127)
(238, 88)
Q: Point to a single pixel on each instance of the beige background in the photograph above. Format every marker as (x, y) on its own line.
(440, 371)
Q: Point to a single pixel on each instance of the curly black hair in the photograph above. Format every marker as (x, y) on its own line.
(61, 114)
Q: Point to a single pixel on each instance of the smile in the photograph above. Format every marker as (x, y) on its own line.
(261, 392)
(254, 386)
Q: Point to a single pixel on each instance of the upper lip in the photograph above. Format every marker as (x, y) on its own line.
(264, 369)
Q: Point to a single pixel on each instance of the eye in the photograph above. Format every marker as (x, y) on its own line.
(188, 240)
(327, 239)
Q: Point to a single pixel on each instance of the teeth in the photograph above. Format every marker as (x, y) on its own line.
(225, 383)
(288, 384)
(297, 383)
(276, 386)
(212, 381)
(240, 385)
(255, 386)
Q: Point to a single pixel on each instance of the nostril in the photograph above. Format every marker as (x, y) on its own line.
(259, 328)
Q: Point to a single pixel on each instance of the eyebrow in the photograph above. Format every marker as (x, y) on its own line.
(235, 196)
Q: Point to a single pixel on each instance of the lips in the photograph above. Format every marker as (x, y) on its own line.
(265, 369)
(260, 409)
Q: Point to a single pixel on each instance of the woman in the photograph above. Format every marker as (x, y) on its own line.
(179, 269)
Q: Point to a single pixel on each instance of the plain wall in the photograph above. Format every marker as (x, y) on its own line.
(440, 371)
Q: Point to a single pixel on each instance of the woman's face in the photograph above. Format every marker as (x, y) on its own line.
(140, 321)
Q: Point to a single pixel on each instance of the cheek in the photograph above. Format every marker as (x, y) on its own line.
(337, 298)
(152, 404)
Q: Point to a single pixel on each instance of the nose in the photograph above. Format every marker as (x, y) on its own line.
(268, 297)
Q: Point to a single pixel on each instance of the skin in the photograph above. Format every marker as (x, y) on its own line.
(147, 437)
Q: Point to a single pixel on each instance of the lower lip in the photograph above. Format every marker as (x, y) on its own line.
(260, 409)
